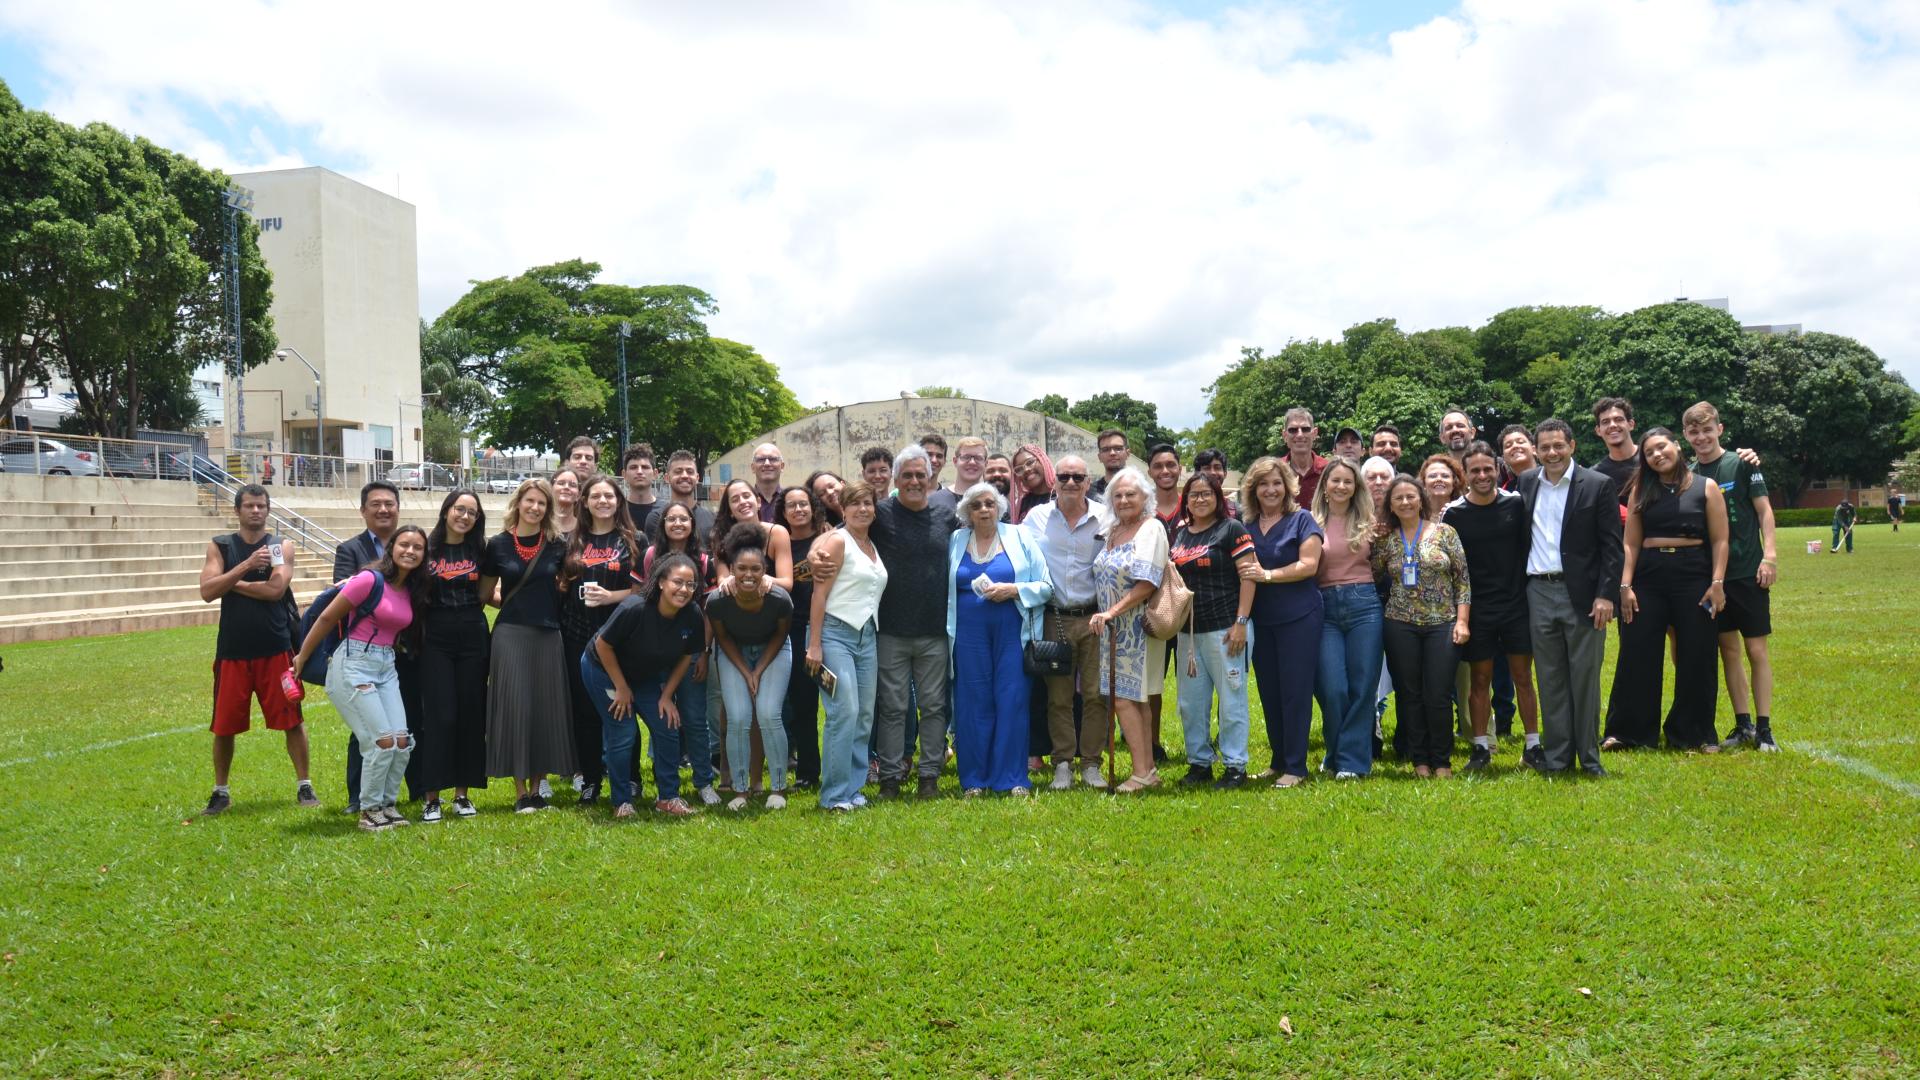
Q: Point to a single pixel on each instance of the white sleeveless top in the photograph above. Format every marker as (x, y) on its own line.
(855, 596)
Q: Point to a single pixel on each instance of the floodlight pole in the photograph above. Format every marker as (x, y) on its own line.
(626, 435)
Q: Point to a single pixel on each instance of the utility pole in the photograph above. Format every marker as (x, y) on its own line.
(239, 201)
(626, 435)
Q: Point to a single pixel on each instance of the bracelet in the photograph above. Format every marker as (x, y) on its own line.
(1626, 585)
(1719, 581)
(1775, 562)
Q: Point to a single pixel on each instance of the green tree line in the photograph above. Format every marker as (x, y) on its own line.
(111, 273)
(1814, 405)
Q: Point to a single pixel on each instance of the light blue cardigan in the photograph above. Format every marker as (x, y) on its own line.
(1029, 577)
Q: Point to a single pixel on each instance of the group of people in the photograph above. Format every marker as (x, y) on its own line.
(1017, 615)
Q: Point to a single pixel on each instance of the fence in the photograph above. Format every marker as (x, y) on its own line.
(36, 453)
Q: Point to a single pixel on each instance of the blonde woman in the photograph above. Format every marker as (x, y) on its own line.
(1350, 655)
(1286, 611)
(528, 731)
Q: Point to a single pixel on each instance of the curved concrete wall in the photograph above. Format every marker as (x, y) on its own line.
(835, 439)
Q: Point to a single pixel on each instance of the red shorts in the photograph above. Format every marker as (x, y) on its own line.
(237, 682)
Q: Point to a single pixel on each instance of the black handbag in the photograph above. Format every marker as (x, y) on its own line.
(1047, 657)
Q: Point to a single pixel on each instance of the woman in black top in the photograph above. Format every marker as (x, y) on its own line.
(1676, 563)
(801, 513)
(674, 534)
(1208, 547)
(636, 664)
(600, 569)
(528, 735)
(453, 658)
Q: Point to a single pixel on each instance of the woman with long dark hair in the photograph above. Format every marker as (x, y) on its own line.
(361, 680)
(1425, 621)
(635, 664)
(843, 639)
(1208, 548)
(528, 733)
(801, 513)
(674, 533)
(600, 569)
(1674, 575)
(456, 644)
(752, 652)
(825, 487)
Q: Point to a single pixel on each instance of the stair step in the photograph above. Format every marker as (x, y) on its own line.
(55, 626)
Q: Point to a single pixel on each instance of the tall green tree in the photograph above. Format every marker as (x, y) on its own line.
(1662, 358)
(1818, 405)
(940, 392)
(1139, 419)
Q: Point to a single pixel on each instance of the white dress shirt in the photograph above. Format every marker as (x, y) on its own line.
(1070, 550)
(1549, 515)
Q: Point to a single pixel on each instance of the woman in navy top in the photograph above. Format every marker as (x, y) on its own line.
(1286, 610)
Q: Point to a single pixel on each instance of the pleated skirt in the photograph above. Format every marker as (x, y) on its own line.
(529, 722)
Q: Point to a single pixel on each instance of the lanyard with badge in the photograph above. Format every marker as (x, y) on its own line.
(1410, 556)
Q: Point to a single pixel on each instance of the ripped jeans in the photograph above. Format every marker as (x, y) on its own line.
(365, 691)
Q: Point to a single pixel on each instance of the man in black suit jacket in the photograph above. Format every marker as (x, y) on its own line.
(1573, 583)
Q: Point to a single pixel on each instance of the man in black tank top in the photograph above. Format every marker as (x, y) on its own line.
(250, 572)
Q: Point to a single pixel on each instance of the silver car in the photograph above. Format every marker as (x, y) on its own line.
(54, 458)
(505, 485)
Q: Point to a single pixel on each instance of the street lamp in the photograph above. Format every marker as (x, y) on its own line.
(319, 392)
(626, 436)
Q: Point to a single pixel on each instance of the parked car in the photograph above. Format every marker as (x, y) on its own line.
(505, 485)
(423, 478)
(139, 463)
(55, 458)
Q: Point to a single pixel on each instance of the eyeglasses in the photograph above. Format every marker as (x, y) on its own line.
(765, 460)
(1120, 448)
(1300, 431)
(1071, 477)
(972, 459)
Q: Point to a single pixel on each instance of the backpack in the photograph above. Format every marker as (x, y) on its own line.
(316, 670)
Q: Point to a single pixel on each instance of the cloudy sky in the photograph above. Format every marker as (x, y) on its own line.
(1072, 196)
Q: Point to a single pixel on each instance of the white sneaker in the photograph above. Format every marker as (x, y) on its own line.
(1091, 777)
(579, 784)
(738, 802)
(546, 789)
(776, 801)
(858, 801)
(1062, 776)
(1345, 775)
(709, 796)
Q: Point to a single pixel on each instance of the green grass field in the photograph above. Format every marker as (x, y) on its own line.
(1739, 915)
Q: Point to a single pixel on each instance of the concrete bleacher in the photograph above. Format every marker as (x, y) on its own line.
(82, 556)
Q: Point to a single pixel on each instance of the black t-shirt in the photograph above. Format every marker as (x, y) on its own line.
(750, 627)
(1620, 472)
(702, 520)
(606, 562)
(637, 513)
(250, 629)
(537, 603)
(453, 575)
(1205, 561)
(803, 580)
(913, 545)
(647, 643)
(1497, 537)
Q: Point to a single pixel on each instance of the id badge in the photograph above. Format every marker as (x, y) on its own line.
(1409, 574)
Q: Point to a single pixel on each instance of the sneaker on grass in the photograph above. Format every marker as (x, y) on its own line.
(1741, 735)
(374, 821)
(304, 796)
(709, 796)
(673, 807)
(463, 806)
(217, 803)
(431, 811)
(776, 801)
(737, 803)
(1763, 740)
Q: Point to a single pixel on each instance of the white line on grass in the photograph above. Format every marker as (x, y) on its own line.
(111, 743)
(1871, 772)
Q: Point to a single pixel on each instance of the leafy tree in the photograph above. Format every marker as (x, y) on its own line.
(1818, 405)
(110, 271)
(725, 395)
(1516, 338)
(1052, 405)
(1139, 419)
(940, 392)
(1662, 358)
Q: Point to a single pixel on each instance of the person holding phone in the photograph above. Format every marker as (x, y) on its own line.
(600, 569)
(1674, 577)
(636, 663)
(842, 645)
(750, 625)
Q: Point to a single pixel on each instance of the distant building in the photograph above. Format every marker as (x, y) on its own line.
(346, 294)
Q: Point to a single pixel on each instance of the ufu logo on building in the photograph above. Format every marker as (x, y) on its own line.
(267, 223)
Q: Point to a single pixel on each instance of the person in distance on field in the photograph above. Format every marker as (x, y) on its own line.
(250, 649)
(674, 534)
(876, 468)
(380, 512)
(1386, 446)
(768, 464)
(999, 473)
(1516, 455)
(751, 620)
(1033, 481)
(583, 454)
(1347, 444)
(1112, 447)
(362, 682)
(1300, 432)
(805, 522)
(638, 498)
(826, 492)
(969, 467)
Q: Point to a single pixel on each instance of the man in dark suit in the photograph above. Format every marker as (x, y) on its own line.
(1573, 583)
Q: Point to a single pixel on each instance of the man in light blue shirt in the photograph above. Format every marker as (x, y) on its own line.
(1072, 531)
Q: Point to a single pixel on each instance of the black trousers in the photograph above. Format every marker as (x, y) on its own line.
(1668, 585)
(1422, 661)
(587, 748)
(802, 710)
(451, 739)
(407, 666)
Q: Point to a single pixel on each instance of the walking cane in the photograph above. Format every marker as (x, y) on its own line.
(1113, 707)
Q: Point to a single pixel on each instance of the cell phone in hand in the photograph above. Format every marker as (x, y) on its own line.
(828, 681)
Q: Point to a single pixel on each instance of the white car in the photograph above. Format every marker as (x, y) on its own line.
(423, 478)
(505, 485)
(55, 457)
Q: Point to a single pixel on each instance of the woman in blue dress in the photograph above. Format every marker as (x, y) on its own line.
(996, 595)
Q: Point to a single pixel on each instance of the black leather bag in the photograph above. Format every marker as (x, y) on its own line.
(1047, 657)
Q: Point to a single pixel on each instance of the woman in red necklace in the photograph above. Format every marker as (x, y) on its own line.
(528, 733)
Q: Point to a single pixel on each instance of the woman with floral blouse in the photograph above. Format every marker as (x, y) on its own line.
(1426, 619)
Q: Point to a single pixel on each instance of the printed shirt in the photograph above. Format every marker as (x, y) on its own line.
(1443, 583)
(453, 575)
(1206, 564)
(1741, 483)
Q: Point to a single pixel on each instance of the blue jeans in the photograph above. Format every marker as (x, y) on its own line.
(852, 656)
(1214, 673)
(745, 709)
(620, 738)
(365, 691)
(1348, 673)
(694, 738)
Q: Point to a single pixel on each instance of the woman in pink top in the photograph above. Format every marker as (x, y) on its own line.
(361, 681)
(1350, 636)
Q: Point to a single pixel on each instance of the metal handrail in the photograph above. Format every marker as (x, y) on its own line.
(290, 522)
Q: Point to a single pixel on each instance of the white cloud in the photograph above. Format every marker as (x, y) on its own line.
(1078, 196)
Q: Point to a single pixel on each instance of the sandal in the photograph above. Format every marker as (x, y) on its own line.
(1289, 780)
(1611, 744)
(1137, 783)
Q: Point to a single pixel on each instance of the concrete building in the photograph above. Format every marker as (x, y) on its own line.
(835, 439)
(346, 294)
